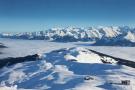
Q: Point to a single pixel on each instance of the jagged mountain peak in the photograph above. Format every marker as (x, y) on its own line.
(130, 36)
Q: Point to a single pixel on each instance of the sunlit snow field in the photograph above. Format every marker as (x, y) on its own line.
(17, 48)
(56, 72)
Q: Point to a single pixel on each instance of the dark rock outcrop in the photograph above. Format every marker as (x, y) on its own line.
(11, 61)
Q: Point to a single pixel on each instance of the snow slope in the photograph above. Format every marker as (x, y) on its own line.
(57, 71)
(86, 56)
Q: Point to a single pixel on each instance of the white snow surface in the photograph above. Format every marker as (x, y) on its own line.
(8, 88)
(55, 72)
(83, 56)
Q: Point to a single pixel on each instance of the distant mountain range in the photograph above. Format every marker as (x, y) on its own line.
(102, 36)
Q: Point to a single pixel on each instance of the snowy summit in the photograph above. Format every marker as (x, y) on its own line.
(68, 69)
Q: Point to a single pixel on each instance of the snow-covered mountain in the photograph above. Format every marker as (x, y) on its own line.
(117, 36)
(68, 69)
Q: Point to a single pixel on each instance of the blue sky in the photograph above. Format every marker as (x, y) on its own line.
(36, 15)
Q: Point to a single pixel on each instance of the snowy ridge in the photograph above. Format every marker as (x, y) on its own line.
(57, 71)
(83, 55)
(112, 36)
